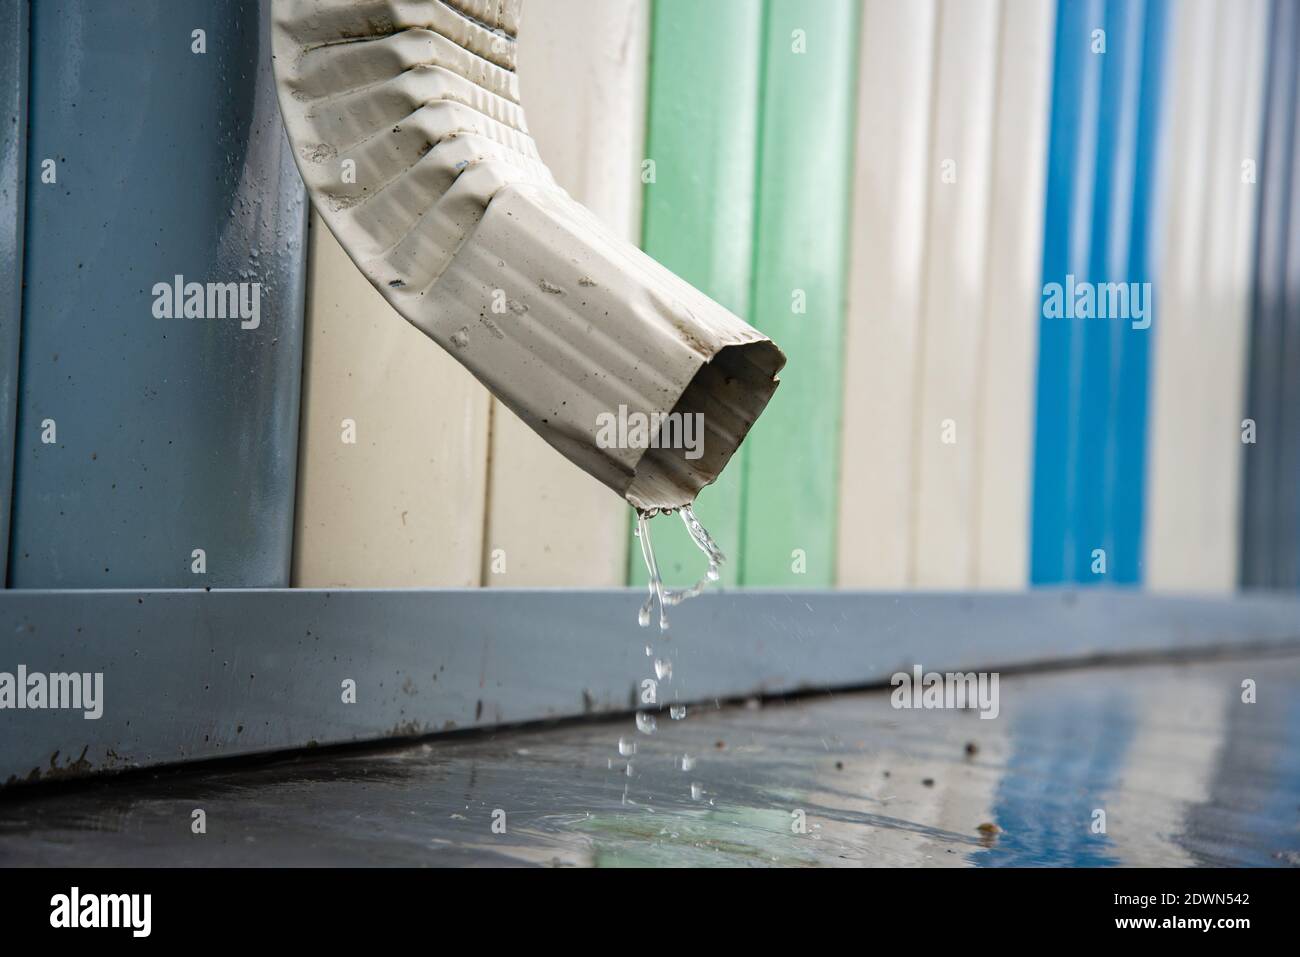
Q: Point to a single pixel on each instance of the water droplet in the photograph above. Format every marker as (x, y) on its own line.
(663, 668)
(688, 763)
(697, 791)
(626, 747)
(645, 723)
(677, 712)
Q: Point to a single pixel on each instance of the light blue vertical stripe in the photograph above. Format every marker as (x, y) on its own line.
(1091, 402)
(1076, 84)
(1095, 420)
(1132, 386)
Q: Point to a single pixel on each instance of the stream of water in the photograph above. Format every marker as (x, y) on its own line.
(666, 598)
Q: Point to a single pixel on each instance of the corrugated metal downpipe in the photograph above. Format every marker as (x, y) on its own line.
(406, 125)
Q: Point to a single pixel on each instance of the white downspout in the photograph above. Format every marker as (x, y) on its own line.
(405, 121)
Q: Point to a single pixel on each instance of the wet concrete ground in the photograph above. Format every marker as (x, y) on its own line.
(1142, 765)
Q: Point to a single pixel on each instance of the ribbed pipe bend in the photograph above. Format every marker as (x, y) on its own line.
(405, 121)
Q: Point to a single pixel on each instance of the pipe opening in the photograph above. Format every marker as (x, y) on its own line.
(726, 395)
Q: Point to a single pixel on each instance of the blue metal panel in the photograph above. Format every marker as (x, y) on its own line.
(1076, 85)
(13, 178)
(171, 434)
(1270, 530)
(1089, 457)
(1130, 375)
(1108, 250)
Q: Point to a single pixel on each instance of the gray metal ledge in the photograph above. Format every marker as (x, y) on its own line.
(190, 675)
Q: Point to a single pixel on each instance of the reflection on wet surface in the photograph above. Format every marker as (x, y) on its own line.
(1168, 759)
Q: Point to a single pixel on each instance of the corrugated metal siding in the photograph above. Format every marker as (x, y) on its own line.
(13, 186)
(959, 173)
(394, 442)
(1009, 348)
(1215, 82)
(582, 79)
(701, 127)
(886, 277)
(990, 151)
(791, 458)
(1091, 405)
(1270, 551)
(943, 292)
(170, 435)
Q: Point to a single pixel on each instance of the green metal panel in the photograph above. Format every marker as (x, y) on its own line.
(800, 252)
(702, 124)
